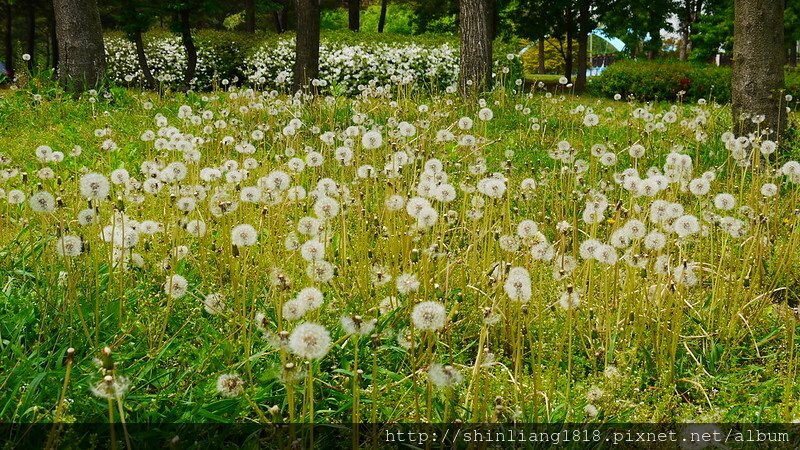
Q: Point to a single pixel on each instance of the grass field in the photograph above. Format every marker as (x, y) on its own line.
(246, 256)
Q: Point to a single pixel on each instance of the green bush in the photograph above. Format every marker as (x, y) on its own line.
(665, 80)
(793, 81)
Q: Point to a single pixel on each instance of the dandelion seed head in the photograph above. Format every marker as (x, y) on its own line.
(518, 285)
(428, 316)
(176, 286)
(444, 376)
(230, 385)
(310, 341)
(244, 235)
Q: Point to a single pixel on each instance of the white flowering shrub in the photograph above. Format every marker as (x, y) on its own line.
(345, 67)
(350, 68)
(168, 61)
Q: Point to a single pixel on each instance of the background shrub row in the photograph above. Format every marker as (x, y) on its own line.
(666, 80)
(348, 61)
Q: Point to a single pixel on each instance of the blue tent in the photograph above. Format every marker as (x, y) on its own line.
(2, 68)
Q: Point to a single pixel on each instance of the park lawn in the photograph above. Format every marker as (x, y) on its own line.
(716, 368)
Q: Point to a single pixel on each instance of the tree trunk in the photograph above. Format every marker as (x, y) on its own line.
(690, 10)
(568, 56)
(9, 42)
(654, 44)
(30, 38)
(51, 24)
(382, 17)
(685, 29)
(475, 73)
(282, 18)
(541, 56)
(793, 54)
(306, 64)
(250, 16)
(583, 57)
(82, 61)
(683, 45)
(142, 58)
(584, 23)
(494, 19)
(354, 14)
(191, 49)
(758, 59)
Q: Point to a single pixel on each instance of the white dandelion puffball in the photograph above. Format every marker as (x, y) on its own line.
(244, 235)
(372, 140)
(214, 303)
(94, 186)
(357, 325)
(686, 225)
(769, 190)
(428, 316)
(407, 283)
(42, 202)
(724, 201)
(569, 299)
(443, 376)
(69, 246)
(230, 385)
(518, 284)
(636, 150)
(176, 286)
(293, 309)
(310, 341)
(312, 250)
(311, 298)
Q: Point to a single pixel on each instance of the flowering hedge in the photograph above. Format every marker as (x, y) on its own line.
(219, 56)
(346, 66)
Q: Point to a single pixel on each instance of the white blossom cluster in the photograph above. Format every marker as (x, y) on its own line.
(353, 68)
(343, 69)
(167, 60)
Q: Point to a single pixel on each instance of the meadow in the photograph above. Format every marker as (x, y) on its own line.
(399, 255)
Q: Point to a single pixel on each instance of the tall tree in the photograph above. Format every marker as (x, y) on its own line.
(712, 31)
(184, 25)
(382, 16)
(689, 12)
(306, 63)
(82, 60)
(792, 30)
(9, 38)
(135, 17)
(250, 16)
(638, 23)
(540, 19)
(282, 16)
(30, 37)
(475, 72)
(51, 31)
(354, 14)
(586, 24)
(758, 58)
(569, 25)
